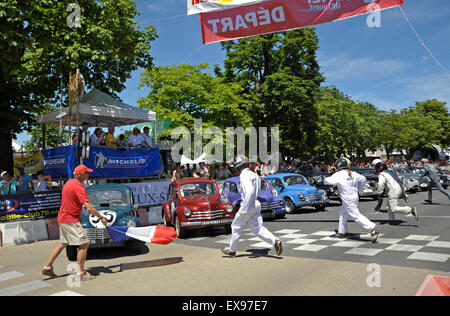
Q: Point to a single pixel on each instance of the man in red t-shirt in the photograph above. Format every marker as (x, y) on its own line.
(74, 197)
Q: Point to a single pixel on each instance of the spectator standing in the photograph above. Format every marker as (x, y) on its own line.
(146, 140)
(76, 139)
(40, 185)
(74, 197)
(109, 138)
(26, 179)
(134, 140)
(8, 184)
(121, 142)
(98, 138)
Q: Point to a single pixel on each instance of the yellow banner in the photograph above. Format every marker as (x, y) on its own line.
(31, 164)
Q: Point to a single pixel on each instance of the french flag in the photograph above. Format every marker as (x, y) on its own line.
(159, 234)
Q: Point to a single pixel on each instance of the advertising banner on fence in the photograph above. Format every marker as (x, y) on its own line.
(30, 163)
(277, 15)
(111, 163)
(59, 162)
(149, 193)
(200, 6)
(29, 206)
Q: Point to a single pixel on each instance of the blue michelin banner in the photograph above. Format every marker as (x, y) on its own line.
(111, 163)
(59, 162)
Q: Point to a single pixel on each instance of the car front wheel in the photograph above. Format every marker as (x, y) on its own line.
(180, 231)
(290, 206)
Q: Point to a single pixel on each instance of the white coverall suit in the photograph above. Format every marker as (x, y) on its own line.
(348, 187)
(393, 191)
(250, 211)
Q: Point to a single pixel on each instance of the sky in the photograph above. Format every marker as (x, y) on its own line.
(386, 66)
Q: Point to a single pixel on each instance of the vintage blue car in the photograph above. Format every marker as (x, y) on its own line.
(115, 203)
(296, 192)
(271, 206)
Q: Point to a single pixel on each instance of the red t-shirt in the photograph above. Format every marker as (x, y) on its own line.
(72, 199)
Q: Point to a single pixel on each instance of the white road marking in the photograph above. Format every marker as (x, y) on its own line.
(24, 288)
(10, 275)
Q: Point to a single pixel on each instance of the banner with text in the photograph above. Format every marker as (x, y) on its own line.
(201, 6)
(149, 193)
(29, 206)
(59, 162)
(111, 163)
(277, 16)
(30, 163)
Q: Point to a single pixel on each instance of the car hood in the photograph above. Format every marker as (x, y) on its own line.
(304, 188)
(202, 201)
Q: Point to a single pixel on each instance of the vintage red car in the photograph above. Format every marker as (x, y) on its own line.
(196, 203)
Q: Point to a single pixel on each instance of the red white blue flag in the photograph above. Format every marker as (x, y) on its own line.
(159, 234)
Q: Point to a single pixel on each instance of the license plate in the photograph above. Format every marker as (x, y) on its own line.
(269, 215)
(215, 222)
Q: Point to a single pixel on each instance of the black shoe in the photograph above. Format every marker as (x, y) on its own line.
(429, 201)
(278, 247)
(338, 235)
(374, 235)
(228, 252)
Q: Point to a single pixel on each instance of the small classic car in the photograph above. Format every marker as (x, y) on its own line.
(410, 180)
(115, 203)
(271, 206)
(371, 186)
(296, 192)
(317, 179)
(194, 203)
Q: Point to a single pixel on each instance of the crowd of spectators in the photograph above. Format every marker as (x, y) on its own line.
(23, 183)
(136, 139)
(224, 171)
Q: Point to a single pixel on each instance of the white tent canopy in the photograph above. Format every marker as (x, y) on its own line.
(100, 110)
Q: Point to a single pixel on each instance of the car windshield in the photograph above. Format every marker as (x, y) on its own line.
(109, 197)
(291, 180)
(197, 188)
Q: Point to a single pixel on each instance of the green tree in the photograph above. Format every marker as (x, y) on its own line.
(281, 78)
(187, 92)
(38, 49)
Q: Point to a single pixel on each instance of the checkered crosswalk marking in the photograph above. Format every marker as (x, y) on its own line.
(414, 247)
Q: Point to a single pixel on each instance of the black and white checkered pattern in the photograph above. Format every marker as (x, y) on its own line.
(295, 241)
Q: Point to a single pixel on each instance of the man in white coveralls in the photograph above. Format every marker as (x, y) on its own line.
(250, 210)
(349, 184)
(389, 183)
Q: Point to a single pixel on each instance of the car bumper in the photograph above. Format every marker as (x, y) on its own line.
(206, 223)
(100, 237)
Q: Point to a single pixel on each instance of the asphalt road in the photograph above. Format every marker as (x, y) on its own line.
(312, 263)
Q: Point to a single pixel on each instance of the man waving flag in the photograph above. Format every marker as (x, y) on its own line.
(154, 234)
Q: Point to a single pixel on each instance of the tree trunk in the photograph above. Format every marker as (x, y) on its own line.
(6, 155)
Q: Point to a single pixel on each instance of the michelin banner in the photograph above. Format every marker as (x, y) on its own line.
(111, 163)
(29, 206)
(59, 162)
(277, 16)
(201, 6)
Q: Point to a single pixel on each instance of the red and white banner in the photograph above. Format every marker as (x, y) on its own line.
(202, 6)
(283, 15)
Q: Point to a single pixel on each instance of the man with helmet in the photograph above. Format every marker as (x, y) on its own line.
(392, 187)
(432, 173)
(250, 210)
(349, 185)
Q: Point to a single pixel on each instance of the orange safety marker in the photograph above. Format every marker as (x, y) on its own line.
(435, 285)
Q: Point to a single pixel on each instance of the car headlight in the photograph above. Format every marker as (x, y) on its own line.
(187, 212)
(131, 223)
(300, 195)
(229, 208)
(274, 192)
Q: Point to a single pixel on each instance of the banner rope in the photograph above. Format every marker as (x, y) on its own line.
(161, 20)
(423, 43)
